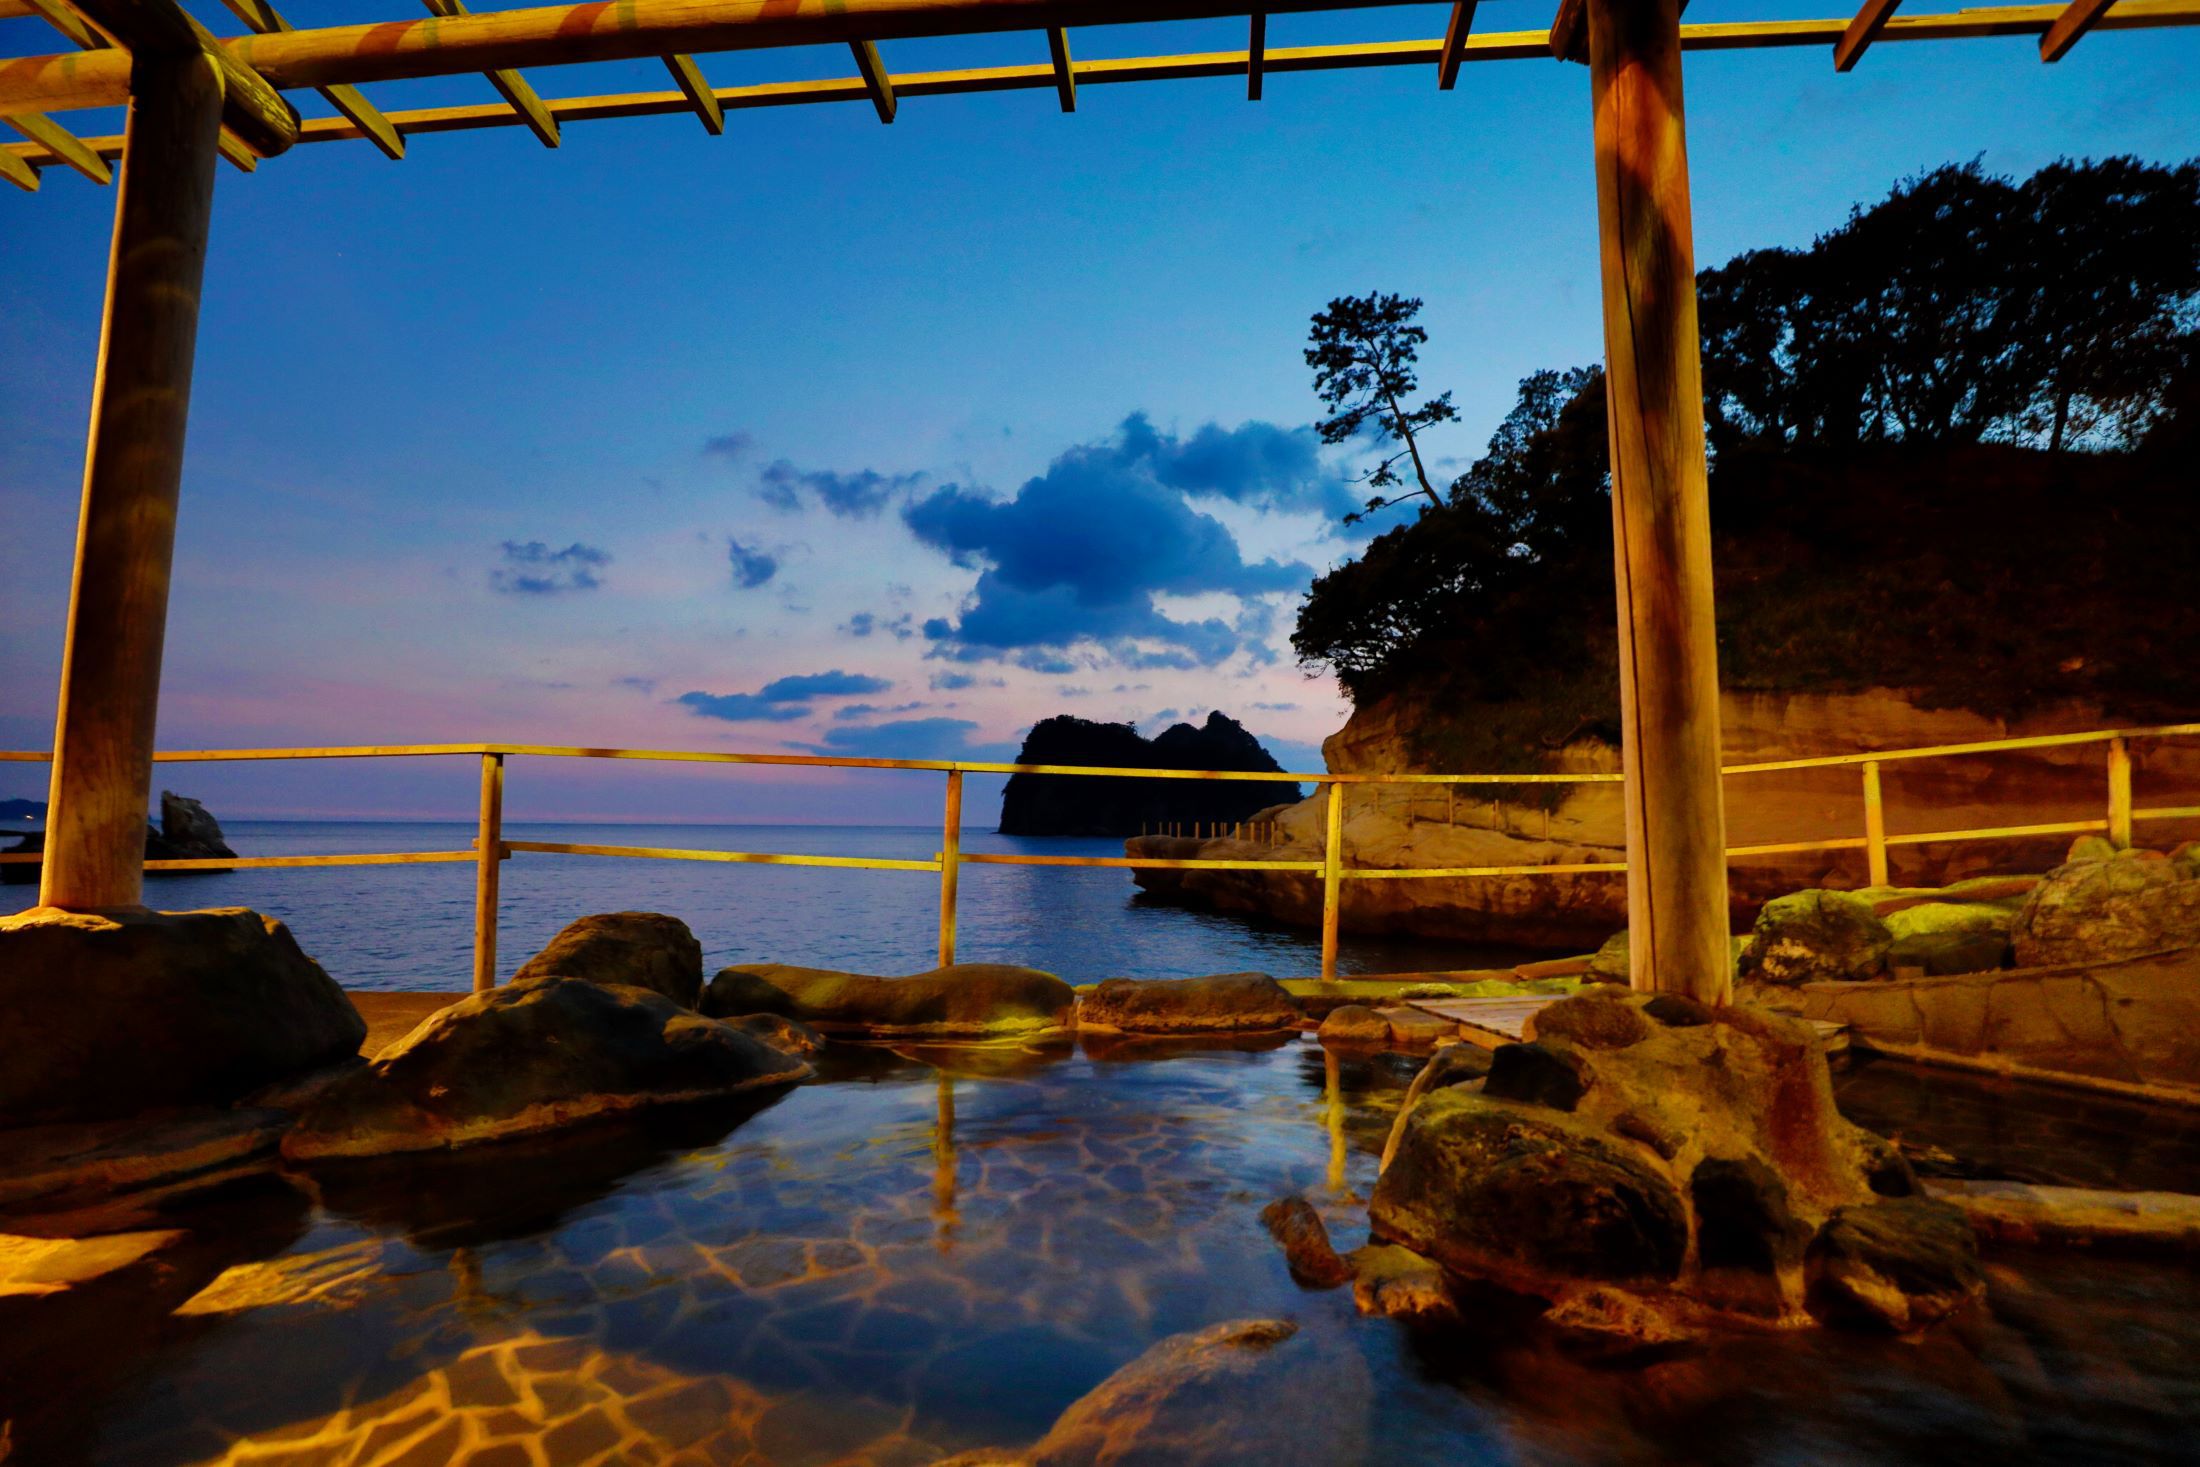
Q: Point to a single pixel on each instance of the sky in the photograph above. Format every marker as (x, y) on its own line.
(827, 437)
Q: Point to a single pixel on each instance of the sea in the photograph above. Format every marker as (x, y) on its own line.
(411, 927)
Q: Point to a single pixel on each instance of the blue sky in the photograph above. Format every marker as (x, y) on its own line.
(827, 436)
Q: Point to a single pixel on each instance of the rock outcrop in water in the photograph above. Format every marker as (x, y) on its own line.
(536, 1055)
(965, 1001)
(2106, 904)
(1648, 1162)
(1069, 804)
(1226, 1003)
(186, 832)
(641, 949)
(116, 1014)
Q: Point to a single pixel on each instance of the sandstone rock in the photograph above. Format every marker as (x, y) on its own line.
(1593, 1019)
(1251, 1390)
(1299, 1231)
(1678, 1010)
(2097, 910)
(967, 1000)
(2186, 858)
(1397, 1282)
(1938, 954)
(1354, 1023)
(1816, 936)
(2091, 848)
(639, 949)
(1520, 1196)
(114, 1015)
(1747, 1237)
(535, 1055)
(1241, 1003)
(1456, 1064)
(1610, 1325)
(789, 1036)
(1537, 1074)
(1412, 1028)
(55, 1168)
(1612, 961)
(1900, 1264)
(1922, 919)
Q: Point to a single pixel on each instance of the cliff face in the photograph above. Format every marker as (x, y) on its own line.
(1069, 804)
(1406, 826)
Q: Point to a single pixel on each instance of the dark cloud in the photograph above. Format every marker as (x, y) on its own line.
(1256, 464)
(752, 566)
(1080, 553)
(860, 495)
(781, 700)
(955, 682)
(913, 738)
(532, 568)
(864, 623)
(849, 713)
(729, 445)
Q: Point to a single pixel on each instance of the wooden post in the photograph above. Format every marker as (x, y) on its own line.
(1332, 864)
(102, 776)
(1668, 663)
(950, 864)
(488, 871)
(1875, 827)
(2119, 794)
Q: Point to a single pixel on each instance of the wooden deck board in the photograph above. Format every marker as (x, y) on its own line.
(1490, 1022)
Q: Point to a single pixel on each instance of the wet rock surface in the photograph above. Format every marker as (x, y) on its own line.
(967, 1000)
(1239, 1003)
(1354, 1023)
(1396, 1282)
(1900, 1264)
(1816, 936)
(535, 1055)
(639, 949)
(2102, 907)
(1299, 1231)
(110, 1016)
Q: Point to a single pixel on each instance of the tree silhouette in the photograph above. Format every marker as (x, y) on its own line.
(1363, 351)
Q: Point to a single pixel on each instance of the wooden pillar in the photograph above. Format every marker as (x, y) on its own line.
(1332, 878)
(2119, 794)
(1875, 827)
(488, 871)
(133, 466)
(951, 826)
(1668, 664)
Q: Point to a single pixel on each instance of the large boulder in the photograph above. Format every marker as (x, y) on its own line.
(1680, 1155)
(965, 1001)
(189, 828)
(639, 949)
(2118, 906)
(535, 1055)
(1944, 937)
(1251, 1390)
(1227, 1003)
(1815, 937)
(1898, 1264)
(113, 1015)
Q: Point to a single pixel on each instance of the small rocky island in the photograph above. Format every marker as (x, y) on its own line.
(187, 831)
(1065, 804)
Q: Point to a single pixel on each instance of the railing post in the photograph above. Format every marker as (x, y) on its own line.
(2119, 794)
(950, 864)
(1332, 867)
(488, 871)
(1875, 826)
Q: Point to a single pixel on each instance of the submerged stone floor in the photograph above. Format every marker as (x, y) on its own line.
(932, 1250)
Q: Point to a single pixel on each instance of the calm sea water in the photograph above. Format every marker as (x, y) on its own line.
(411, 927)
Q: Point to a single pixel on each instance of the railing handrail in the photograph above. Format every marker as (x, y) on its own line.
(491, 847)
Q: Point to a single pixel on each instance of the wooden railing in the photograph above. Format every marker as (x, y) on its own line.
(490, 848)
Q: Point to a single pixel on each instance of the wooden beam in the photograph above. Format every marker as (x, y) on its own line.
(64, 145)
(510, 85)
(1862, 31)
(126, 530)
(1256, 54)
(2077, 18)
(689, 77)
(1065, 75)
(1455, 44)
(876, 82)
(68, 22)
(17, 171)
(1661, 513)
(255, 111)
(1570, 31)
(80, 31)
(265, 19)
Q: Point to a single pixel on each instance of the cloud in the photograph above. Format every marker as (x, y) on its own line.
(1260, 465)
(732, 445)
(781, 700)
(913, 738)
(534, 569)
(955, 682)
(858, 496)
(1080, 553)
(752, 567)
(864, 623)
(850, 712)
(638, 684)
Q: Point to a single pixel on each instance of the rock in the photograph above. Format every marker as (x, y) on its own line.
(1606, 1326)
(1250, 1390)
(1298, 1230)
(56, 1168)
(1537, 1074)
(189, 829)
(1922, 919)
(1078, 804)
(114, 1015)
(1399, 1283)
(1678, 1010)
(1411, 1028)
(1516, 1196)
(1456, 1064)
(2186, 859)
(1747, 1237)
(1938, 954)
(1354, 1023)
(2091, 848)
(1900, 1264)
(788, 1036)
(639, 949)
(967, 1000)
(1594, 1019)
(1240, 1003)
(1817, 936)
(2097, 910)
(1612, 963)
(2020, 1212)
(535, 1055)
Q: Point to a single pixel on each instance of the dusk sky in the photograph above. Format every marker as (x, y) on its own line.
(822, 436)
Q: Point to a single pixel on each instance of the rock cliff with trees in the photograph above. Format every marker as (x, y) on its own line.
(1101, 805)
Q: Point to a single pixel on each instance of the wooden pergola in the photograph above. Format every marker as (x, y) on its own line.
(193, 97)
